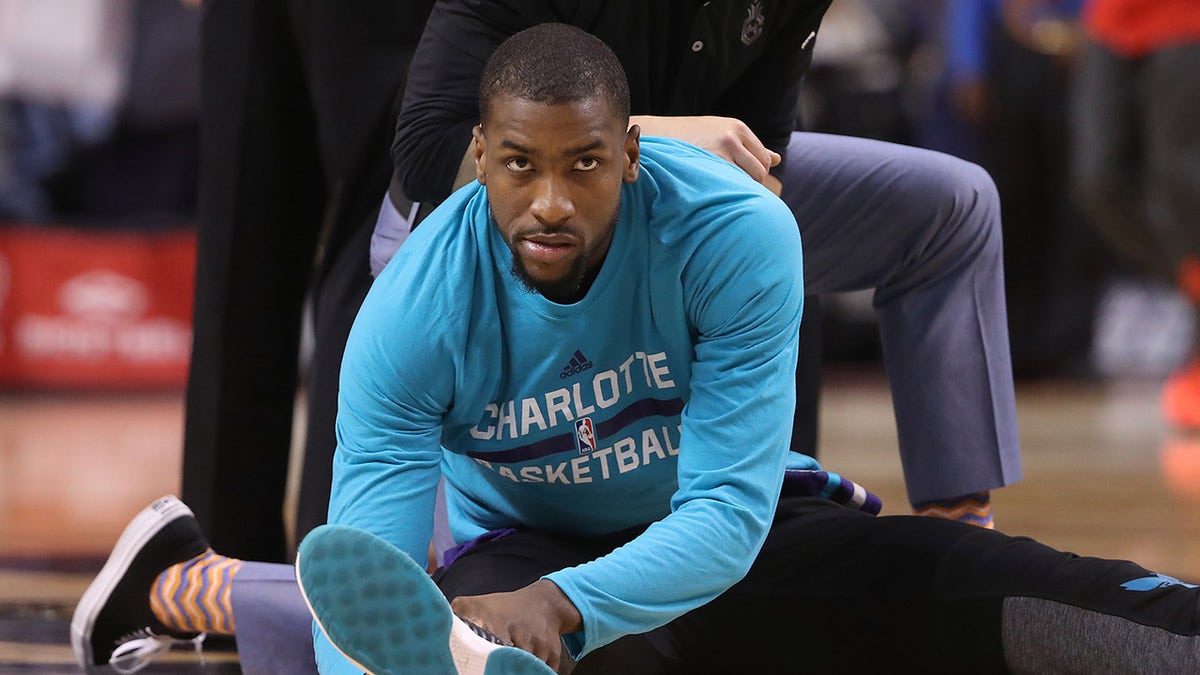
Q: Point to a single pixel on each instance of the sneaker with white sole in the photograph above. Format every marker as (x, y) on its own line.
(113, 624)
(381, 610)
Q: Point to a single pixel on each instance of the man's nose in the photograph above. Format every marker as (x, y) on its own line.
(552, 202)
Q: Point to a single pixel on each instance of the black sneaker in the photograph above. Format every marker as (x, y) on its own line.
(113, 624)
(381, 610)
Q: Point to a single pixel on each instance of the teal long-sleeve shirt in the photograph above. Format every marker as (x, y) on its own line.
(664, 396)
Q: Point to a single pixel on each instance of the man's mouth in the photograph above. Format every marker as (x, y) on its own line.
(546, 249)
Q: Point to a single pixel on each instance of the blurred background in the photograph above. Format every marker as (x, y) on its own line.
(99, 143)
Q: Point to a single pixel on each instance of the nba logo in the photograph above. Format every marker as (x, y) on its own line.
(585, 435)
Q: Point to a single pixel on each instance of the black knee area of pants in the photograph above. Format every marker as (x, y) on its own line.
(521, 558)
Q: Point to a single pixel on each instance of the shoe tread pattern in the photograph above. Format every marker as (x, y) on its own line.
(383, 611)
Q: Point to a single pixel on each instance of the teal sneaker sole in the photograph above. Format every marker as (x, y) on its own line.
(384, 613)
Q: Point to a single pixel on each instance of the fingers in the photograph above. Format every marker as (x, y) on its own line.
(725, 137)
(547, 647)
(525, 630)
(743, 148)
(536, 638)
(549, 652)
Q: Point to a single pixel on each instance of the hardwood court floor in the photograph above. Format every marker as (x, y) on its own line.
(1103, 477)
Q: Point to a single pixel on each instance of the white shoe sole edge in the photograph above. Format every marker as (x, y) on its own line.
(149, 522)
(316, 619)
(469, 651)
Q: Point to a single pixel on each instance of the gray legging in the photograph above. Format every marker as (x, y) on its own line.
(923, 229)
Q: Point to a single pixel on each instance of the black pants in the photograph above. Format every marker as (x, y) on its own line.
(298, 106)
(837, 590)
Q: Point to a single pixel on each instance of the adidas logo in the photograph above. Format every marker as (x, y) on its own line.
(576, 365)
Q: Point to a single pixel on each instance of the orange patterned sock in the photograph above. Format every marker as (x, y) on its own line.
(975, 509)
(194, 596)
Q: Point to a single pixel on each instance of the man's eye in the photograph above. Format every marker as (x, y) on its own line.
(587, 164)
(518, 164)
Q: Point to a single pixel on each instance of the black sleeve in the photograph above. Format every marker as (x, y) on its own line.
(766, 96)
(441, 100)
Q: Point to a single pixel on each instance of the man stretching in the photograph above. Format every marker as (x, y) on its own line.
(596, 350)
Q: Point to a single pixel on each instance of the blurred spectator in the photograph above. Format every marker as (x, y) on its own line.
(98, 112)
(1136, 161)
(1009, 64)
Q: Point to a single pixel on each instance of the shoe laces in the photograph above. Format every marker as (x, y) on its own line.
(485, 633)
(139, 649)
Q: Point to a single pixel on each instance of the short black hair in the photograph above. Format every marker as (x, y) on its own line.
(554, 63)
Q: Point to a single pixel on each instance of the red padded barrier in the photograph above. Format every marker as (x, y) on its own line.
(95, 309)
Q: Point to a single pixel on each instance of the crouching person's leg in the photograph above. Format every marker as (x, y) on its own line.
(274, 626)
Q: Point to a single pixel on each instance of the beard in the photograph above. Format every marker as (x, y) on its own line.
(566, 290)
(570, 287)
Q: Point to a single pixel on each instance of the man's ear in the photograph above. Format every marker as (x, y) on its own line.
(477, 148)
(633, 154)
